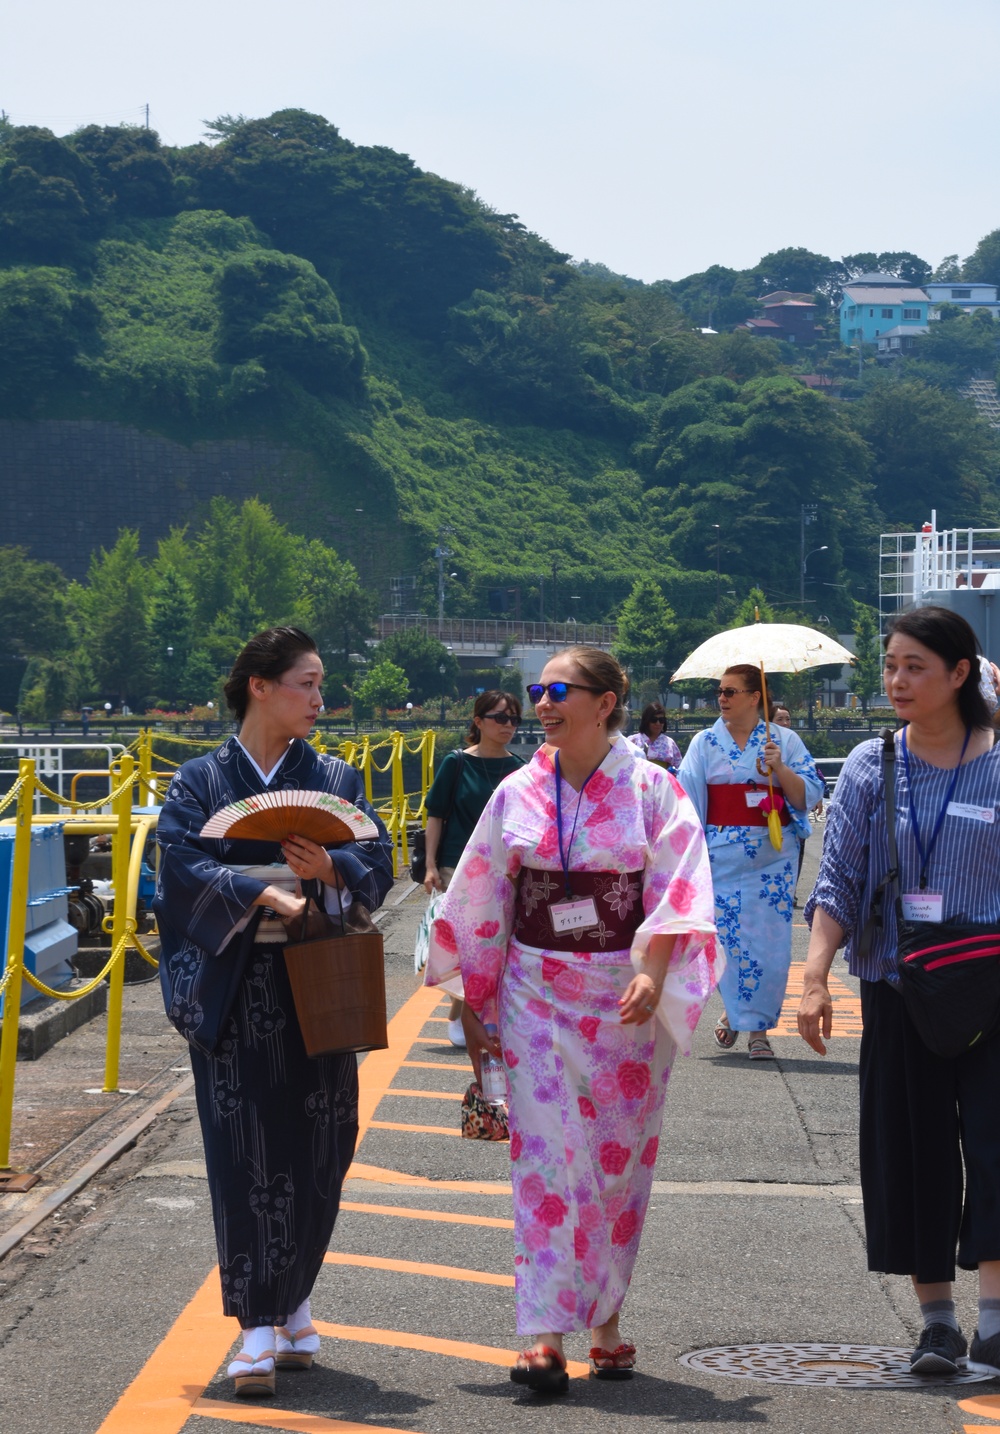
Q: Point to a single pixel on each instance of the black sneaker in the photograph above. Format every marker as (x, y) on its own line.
(939, 1350)
(985, 1353)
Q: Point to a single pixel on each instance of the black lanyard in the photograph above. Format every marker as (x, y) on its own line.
(925, 856)
(565, 855)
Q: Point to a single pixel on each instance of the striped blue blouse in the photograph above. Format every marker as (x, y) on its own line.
(964, 866)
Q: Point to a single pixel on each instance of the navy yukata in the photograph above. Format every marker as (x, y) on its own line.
(279, 1127)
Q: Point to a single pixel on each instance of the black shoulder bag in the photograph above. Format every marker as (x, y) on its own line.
(418, 853)
(949, 971)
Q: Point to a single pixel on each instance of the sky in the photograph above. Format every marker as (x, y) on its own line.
(649, 135)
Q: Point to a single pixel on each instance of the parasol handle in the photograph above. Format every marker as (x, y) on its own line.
(767, 731)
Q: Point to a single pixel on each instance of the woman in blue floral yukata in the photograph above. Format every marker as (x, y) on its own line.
(724, 772)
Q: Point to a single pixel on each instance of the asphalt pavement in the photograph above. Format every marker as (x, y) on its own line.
(109, 1312)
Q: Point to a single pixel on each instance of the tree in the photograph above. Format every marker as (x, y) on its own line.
(32, 618)
(798, 270)
(383, 686)
(111, 615)
(646, 629)
(983, 264)
(867, 674)
(421, 658)
(276, 309)
(929, 450)
(45, 323)
(172, 611)
(342, 614)
(754, 608)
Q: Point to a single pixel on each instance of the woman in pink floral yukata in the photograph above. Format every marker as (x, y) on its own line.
(581, 919)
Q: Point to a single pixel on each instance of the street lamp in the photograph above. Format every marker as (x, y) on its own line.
(802, 574)
(718, 573)
(442, 668)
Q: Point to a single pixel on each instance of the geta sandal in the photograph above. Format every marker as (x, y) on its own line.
(725, 1036)
(613, 1363)
(296, 1351)
(250, 1377)
(548, 1378)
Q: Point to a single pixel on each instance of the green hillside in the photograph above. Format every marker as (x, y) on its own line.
(448, 370)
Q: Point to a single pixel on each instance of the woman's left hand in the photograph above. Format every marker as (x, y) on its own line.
(309, 861)
(772, 757)
(639, 1001)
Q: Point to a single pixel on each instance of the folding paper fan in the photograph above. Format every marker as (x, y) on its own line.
(272, 816)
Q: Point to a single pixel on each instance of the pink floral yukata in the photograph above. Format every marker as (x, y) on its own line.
(586, 1092)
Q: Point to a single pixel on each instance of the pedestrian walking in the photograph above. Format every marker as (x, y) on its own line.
(580, 915)
(724, 772)
(929, 1134)
(279, 1127)
(653, 740)
(460, 790)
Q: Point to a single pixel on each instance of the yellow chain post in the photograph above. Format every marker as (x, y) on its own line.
(15, 953)
(145, 755)
(124, 770)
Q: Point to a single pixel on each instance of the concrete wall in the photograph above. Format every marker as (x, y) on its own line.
(68, 486)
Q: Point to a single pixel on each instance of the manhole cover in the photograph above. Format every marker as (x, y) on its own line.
(849, 1366)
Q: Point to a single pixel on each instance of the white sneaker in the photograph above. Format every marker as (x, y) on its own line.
(455, 1034)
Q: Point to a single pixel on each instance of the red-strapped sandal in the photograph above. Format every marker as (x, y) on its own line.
(548, 1378)
(613, 1363)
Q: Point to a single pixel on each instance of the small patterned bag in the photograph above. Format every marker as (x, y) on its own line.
(480, 1120)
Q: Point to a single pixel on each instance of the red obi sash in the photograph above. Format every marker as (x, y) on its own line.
(727, 806)
(617, 896)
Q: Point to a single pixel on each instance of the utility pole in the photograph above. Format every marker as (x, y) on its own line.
(147, 116)
(807, 515)
(441, 552)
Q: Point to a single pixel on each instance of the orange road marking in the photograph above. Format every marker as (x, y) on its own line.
(458, 1349)
(264, 1417)
(378, 1069)
(397, 1177)
(988, 1405)
(440, 1020)
(415, 1267)
(846, 1007)
(437, 1066)
(980, 1428)
(418, 1129)
(161, 1398)
(425, 1094)
(445, 1216)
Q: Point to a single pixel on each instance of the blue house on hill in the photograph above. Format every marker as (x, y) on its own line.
(874, 303)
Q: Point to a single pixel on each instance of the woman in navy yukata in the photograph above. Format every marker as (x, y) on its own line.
(279, 1127)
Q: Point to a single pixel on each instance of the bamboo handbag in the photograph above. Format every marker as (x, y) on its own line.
(338, 982)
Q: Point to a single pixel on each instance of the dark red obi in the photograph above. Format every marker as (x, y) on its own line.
(617, 896)
(727, 806)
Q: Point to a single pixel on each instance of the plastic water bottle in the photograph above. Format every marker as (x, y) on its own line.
(494, 1076)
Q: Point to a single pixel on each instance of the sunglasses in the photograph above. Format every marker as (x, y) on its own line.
(504, 718)
(730, 691)
(557, 691)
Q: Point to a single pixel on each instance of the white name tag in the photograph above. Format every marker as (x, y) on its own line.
(754, 799)
(923, 906)
(971, 813)
(573, 915)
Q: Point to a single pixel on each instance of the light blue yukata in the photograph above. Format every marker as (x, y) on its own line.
(754, 883)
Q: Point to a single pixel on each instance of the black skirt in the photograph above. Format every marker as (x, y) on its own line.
(280, 1129)
(930, 1147)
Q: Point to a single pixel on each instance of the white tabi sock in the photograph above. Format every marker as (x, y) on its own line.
(256, 1342)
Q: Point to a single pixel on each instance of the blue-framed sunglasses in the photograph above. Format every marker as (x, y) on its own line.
(557, 691)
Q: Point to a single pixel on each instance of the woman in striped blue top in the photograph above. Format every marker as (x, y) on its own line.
(922, 1117)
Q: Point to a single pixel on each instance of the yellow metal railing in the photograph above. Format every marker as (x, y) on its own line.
(129, 835)
(131, 776)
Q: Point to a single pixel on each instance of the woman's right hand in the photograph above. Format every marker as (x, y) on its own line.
(815, 1013)
(478, 1040)
(432, 880)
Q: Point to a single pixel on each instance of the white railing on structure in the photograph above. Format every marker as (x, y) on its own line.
(932, 560)
(50, 767)
(499, 632)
